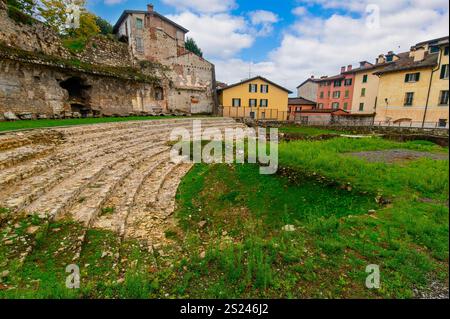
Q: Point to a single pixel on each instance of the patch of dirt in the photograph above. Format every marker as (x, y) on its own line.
(397, 155)
(436, 290)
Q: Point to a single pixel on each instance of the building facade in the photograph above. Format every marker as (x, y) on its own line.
(336, 92)
(154, 38)
(365, 91)
(414, 88)
(256, 98)
(298, 105)
(308, 89)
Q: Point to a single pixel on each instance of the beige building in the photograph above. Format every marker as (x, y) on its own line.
(365, 90)
(308, 89)
(153, 37)
(414, 88)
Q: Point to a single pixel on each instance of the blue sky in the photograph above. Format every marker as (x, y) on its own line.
(290, 40)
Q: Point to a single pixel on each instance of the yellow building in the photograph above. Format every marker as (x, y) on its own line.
(256, 98)
(365, 90)
(414, 89)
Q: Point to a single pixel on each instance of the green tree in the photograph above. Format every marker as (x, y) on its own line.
(105, 27)
(193, 47)
(24, 6)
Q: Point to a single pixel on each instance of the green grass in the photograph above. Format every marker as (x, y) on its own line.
(30, 124)
(231, 243)
(76, 45)
(308, 130)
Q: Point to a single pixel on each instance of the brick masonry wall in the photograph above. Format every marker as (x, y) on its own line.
(36, 89)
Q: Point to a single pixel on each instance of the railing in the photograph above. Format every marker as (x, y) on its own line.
(412, 124)
(256, 113)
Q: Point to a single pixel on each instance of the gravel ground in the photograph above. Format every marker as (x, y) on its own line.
(397, 155)
(436, 290)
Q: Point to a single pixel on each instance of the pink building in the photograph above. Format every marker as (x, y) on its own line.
(336, 92)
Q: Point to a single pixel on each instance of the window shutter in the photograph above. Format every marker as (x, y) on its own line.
(267, 88)
(406, 77)
(250, 88)
(417, 77)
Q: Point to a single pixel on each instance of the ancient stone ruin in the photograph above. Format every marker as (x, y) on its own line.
(39, 78)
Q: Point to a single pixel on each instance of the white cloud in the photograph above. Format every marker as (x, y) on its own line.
(218, 35)
(263, 20)
(300, 11)
(113, 2)
(204, 6)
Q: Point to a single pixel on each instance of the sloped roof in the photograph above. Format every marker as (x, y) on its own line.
(331, 78)
(405, 62)
(256, 78)
(308, 80)
(154, 13)
(300, 101)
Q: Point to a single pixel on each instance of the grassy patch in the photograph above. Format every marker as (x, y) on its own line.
(30, 124)
(307, 130)
(75, 45)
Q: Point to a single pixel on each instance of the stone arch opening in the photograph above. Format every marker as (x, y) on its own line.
(78, 96)
(159, 93)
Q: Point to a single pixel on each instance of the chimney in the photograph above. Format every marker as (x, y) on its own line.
(349, 67)
(343, 69)
(312, 76)
(150, 7)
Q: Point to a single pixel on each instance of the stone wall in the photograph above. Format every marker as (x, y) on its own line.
(36, 37)
(193, 84)
(37, 89)
(107, 51)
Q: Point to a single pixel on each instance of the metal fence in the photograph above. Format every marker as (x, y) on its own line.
(255, 113)
(413, 124)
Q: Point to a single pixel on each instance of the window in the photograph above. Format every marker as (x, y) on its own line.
(345, 106)
(263, 115)
(363, 92)
(389, 58)
(336, 94)
(409, 98)
(412, 77)
(253, 88)
(446, 50)
(444, 71)
(335, 105)
(236, 102)
(337, 83)
(139, 44)
(347, 93)
(434, 49)
(443, 99)
(139, 23)
(264, 103)
(365, 78)
(361, 107)
(442, 123)
(348, 82)
(264, 88)
(253, 102)
(320, 105)
(329, 93)
(321, 95)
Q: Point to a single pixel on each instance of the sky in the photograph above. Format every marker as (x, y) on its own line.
(288, 41)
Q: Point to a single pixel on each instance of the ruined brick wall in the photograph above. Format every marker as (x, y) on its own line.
(103, 50)
(193, 83)
(39, 38)
(35, 37)
(36, 89)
